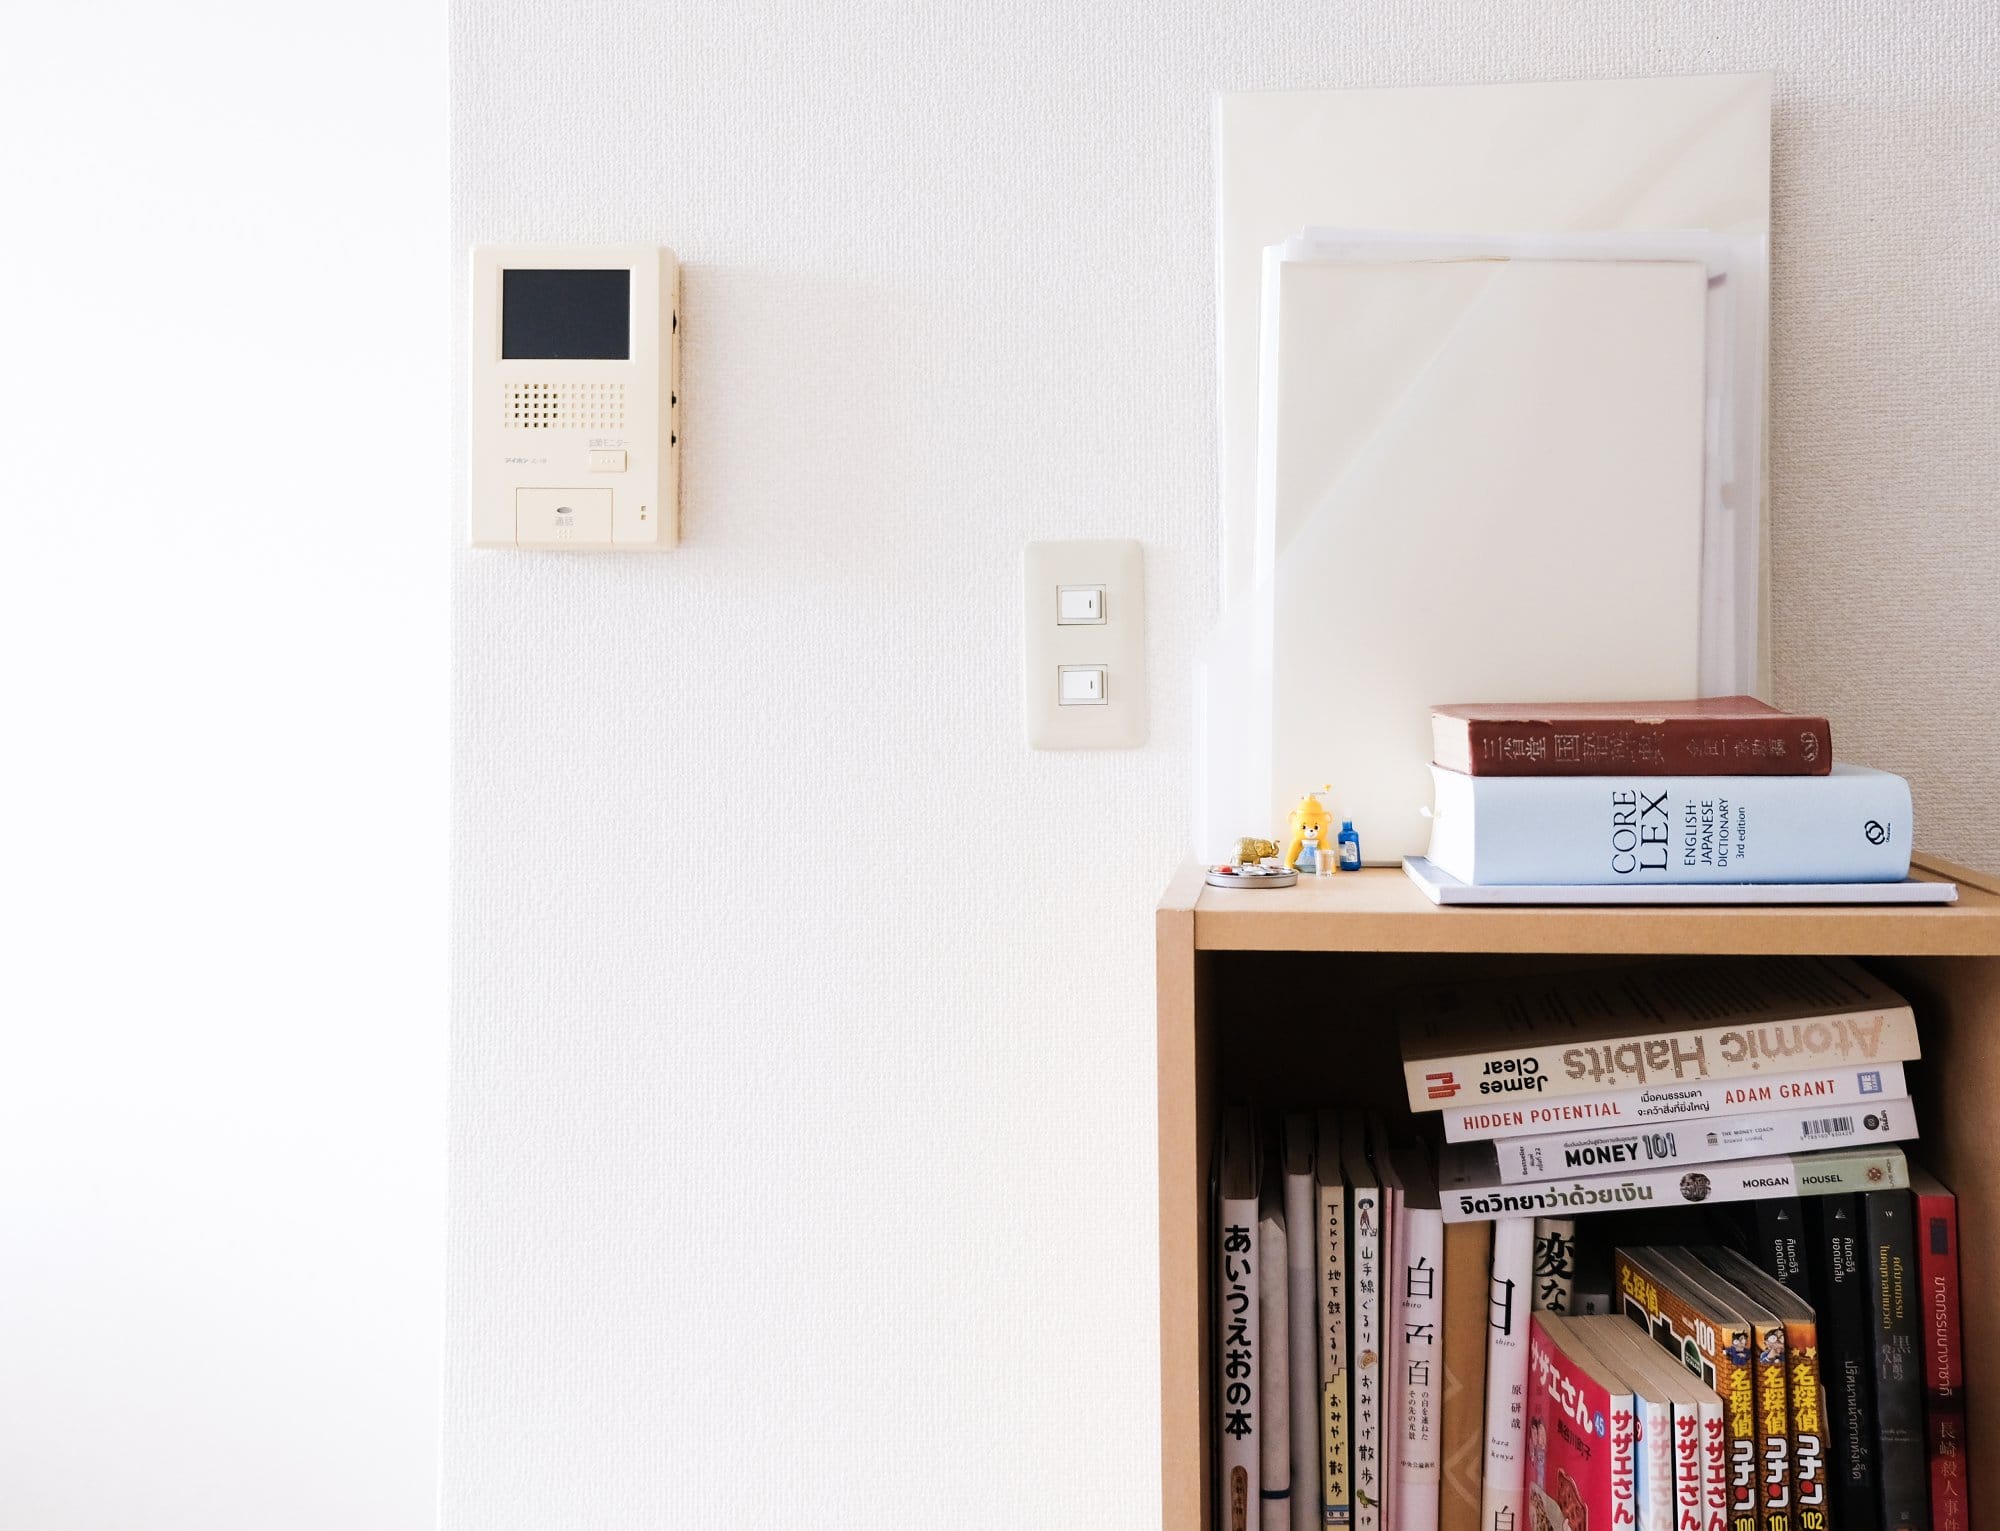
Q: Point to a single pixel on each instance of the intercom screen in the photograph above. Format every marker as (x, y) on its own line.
(566, 315)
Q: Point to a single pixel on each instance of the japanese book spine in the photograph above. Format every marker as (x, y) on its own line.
(1944, 1360)
(1692, 1330)
(1702, 1101)
(1846, 1359)
(1677, 1024)
(1804, 1399)
(1303, 1331)
(1755, 1136)
(1335, 1381)
(1510, 1300)
(1555, 1263)
(1852, 825)
(1239, 1268)
(1726, 736)
(1582, 1437)
(1420, 1298)
(1740, 1180)
(1889, 1275)
(1698, 1476)
(1468, 1263)
(1273, 1302)
(1364, 1218)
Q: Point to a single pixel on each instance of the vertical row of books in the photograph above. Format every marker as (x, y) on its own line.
(1644, 1252)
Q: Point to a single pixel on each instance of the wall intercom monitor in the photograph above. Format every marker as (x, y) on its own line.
(575, 402)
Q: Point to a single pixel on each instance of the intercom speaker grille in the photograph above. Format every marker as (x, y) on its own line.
(565, 406)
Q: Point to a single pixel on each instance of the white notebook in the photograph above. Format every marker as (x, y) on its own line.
(1477, 478)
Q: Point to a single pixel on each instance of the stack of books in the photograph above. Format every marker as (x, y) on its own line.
(1720, 794)
(1644, 1253)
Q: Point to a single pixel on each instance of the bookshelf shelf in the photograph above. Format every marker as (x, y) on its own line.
(1271, 992)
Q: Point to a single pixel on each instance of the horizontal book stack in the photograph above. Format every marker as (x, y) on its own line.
(1718, 792)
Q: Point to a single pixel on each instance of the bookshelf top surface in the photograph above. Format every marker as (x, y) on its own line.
(1381, 910)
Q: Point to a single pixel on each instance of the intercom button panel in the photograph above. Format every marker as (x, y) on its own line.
(575, 396)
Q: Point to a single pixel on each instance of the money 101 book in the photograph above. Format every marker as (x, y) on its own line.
(1677, 1022)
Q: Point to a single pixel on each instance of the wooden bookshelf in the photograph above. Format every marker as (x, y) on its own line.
(1272, 992)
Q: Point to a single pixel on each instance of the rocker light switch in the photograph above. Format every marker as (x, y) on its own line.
(1083, 677)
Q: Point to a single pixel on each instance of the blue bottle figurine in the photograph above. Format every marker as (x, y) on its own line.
(1350, 847)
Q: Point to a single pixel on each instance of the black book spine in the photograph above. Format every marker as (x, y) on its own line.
(1890, 1246)
(1781, 1243)
(1847, 1364)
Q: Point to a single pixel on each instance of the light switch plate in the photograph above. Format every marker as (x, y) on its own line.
(1114, 644)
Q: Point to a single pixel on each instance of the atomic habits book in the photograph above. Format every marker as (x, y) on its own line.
(1690, 1020)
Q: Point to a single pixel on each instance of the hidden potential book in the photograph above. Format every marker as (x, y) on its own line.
(1818, 1088)
(1851, 825)
(1470, 1189)
(1714, 736)
(1686, 1021)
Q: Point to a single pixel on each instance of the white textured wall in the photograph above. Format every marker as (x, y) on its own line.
(825, 1195)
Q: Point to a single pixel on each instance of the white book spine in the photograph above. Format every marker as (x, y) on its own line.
(1702, 1140)
(1503, 1484)
(1688, 1512)
(1630, 831)
(1239, 1485)
(1420, 1284)
(1304, 1334)
(1655, 1458)
(1390, 1409)
(1624, 1434)
(1336, 1508)
(1366, 1365)
(1714, 1466)
(1673, 1102)
(1882, 1169)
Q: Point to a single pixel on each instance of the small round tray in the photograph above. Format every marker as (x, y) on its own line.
(1251, 879)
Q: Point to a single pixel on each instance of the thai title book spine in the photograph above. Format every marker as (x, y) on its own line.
(1852, 825)
(1943, 1351)
(1470, 1191)
(1673, 1023)
(1889, 1277)
(1582, 1436)
(1693, 1331)
(1699, 1099)
(1336, 1508)
(1503, 1484)
(1846, 1357)
(1518, 1161)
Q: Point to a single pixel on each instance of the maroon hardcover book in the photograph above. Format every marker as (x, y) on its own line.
(1716, 736)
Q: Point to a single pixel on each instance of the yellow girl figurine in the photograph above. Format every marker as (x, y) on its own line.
(1311, 836)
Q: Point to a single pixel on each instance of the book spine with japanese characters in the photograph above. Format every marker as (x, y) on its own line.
(1742, 1180)
(1420, 1297)
(1943, 1350)
(1650, 1105)
(1678, 744)
(1238, 1267)
(1889, 1277)
(1582, 1436)
(1555, 1264)
(1393, 1232)
(1468, 1261)
(1599, 1151)
(1336, 1508)
(1693, 1330)
(1301, 1247)
(1510, 1300)
(1365, 1303)
(1273, 1317)
(1846, 1358)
